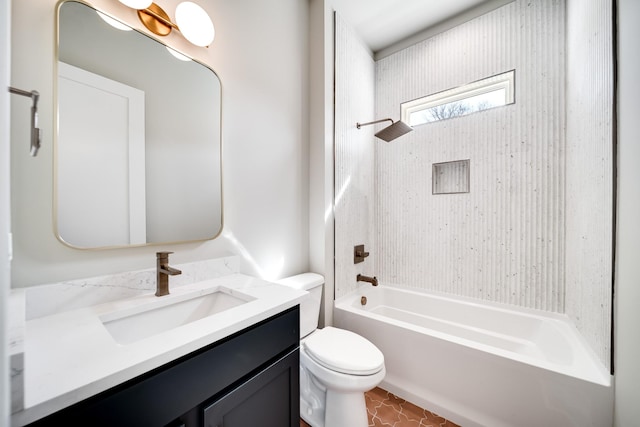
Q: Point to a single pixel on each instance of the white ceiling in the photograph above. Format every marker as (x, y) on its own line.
(382, 23)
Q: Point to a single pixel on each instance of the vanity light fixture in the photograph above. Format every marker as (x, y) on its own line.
(191, 20)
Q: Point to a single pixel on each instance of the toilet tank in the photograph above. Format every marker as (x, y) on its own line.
(310, 307)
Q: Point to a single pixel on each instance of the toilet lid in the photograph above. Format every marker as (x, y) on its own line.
(344, 351)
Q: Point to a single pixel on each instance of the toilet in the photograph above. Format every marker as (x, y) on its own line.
(336, 366)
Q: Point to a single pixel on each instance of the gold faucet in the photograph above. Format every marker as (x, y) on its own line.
(163, 271)
(372, 280)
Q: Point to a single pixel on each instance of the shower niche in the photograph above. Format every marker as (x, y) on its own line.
(451, 177)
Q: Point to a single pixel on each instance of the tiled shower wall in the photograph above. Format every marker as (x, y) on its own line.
(504, 240)
(354, 157)
(589, 175)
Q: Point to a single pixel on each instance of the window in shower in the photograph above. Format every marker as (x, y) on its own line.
(481, 95)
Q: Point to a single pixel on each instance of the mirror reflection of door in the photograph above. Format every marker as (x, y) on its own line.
(102, 126)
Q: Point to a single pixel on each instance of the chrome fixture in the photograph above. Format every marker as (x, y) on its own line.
(373, 280)
(193, 21)
(35, 131)
(359, 254)
(391, 132)
(163, 271)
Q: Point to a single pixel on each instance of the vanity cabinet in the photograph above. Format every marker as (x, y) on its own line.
(259, 401)
(248, 379)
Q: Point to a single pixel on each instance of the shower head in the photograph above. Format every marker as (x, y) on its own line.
(391, 132)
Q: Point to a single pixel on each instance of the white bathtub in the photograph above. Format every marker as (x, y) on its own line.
(481, 364)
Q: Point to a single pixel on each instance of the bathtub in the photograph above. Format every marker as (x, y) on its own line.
(481, 364)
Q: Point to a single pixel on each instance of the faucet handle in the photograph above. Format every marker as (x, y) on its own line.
(163, 254)
(359, 254)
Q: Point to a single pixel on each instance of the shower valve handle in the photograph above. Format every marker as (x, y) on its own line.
(359, 254)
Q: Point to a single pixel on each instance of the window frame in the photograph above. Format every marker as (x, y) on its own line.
(500, 81)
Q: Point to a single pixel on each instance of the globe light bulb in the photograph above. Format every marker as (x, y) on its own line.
(137, 4)
(194, 24)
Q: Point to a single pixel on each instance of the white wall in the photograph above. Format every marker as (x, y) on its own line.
(5, 28)
(627, 276)
(321, 216)
(260, 55)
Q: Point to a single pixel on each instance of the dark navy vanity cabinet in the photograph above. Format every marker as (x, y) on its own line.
(248, 379)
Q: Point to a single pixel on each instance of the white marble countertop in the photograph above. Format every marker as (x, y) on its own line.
(70, 356)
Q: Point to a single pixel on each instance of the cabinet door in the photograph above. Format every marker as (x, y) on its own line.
(269, 399)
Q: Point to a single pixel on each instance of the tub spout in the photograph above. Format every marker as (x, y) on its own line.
(373, 280)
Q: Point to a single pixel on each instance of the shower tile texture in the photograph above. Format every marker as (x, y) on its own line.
(589, 186)
(386, 409)
(503, 241)
(354, 178)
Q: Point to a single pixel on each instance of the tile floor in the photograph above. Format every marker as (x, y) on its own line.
(387, 410)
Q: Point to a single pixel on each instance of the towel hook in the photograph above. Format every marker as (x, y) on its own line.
(35, 131)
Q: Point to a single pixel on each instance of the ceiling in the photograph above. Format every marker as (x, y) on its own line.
(382, 23)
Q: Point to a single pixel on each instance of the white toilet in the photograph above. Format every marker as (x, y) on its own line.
(336, 366)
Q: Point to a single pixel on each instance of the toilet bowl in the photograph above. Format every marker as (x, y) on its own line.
(341, 366)
(336, 366)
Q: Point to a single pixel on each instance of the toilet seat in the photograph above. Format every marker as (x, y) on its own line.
(344, 351)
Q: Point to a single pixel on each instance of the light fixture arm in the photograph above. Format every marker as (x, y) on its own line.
(149, 11)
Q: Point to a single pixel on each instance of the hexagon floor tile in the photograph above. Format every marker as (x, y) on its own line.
(388, 410)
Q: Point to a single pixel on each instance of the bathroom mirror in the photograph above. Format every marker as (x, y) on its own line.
(138, 144)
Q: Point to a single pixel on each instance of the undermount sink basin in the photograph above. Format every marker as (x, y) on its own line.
(133, 324)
